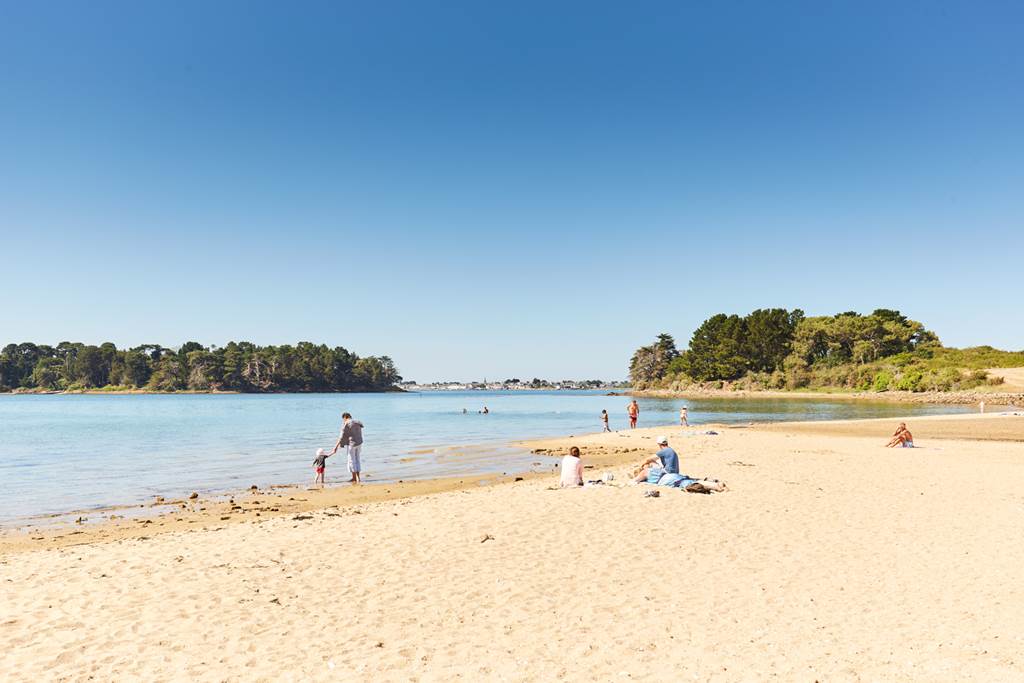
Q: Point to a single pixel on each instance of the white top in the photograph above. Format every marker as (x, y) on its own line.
(572, 471)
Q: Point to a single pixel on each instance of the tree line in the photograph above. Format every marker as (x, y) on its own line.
(238, 366)
(780, 349)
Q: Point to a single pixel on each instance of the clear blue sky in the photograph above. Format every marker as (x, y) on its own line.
(515, 190)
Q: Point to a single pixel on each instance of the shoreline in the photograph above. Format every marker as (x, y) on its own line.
(228, 507)
(991, 399)
(185, 392)
(234, 392)
(222, 509)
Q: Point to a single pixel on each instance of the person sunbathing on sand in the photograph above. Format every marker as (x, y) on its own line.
(902, 437)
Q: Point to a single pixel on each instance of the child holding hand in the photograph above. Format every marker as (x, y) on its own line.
(320, 465)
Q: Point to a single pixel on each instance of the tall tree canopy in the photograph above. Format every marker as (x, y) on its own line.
(238, 366)
(728, 347)
(649, 363)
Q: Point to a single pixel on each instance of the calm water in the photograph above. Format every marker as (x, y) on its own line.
(61, 453)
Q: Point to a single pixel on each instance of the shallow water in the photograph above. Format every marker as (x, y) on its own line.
(61, 453)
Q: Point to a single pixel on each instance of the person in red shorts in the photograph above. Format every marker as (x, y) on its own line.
(634, 413)
(320, 466)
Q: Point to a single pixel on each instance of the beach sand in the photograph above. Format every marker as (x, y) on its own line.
(830, 558)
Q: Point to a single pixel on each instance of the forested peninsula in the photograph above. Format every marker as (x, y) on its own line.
(236, 367)
(778, 349)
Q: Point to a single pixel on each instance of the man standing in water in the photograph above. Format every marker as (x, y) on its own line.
(634, 413)
(352, 439)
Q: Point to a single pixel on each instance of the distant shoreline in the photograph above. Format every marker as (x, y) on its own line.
(936, 397)
(124, 392)
(394, 390)
(940, 397)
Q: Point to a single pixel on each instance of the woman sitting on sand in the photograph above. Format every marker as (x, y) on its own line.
(902, 437)
(572, 469)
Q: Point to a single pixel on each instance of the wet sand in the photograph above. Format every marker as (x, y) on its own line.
(179, 514)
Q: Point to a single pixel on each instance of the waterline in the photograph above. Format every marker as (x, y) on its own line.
(61, 453)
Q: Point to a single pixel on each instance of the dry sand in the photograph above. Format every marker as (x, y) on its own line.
(1013, 378)
(967, 427)
(831, 558)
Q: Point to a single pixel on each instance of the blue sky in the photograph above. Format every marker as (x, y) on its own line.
(531, 189)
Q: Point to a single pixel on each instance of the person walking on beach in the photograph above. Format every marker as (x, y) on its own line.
(634, 413)
(352, 439)
(683, 418)
(604, 420)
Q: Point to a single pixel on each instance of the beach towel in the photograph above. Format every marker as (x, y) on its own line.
(675, 480)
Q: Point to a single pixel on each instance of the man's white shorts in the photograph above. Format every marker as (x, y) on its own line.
(353, 458)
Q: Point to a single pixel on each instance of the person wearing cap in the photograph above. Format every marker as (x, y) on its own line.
(665, 461)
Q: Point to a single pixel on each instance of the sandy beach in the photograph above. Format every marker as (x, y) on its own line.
(830, 558)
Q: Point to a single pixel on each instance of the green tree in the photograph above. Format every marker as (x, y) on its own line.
(769, 337)
(650, 364)
(137, 369)
(342, 370)
(90, 367)
(376, 374)
(717, 349)
(20, 361)
(68, 352)
(168, 374)
(185, 349)
(232, 364)
(240, 365)
(49, 374)
(203, 370)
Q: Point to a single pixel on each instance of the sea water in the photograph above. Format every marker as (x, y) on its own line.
(71, 452)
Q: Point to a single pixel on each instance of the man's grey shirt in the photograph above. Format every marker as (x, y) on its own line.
(352, 433)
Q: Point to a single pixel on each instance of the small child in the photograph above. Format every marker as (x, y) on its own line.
(320, 465)
(604, 419)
